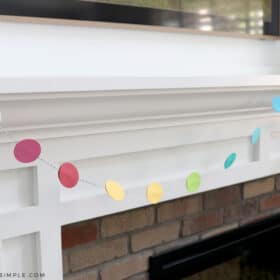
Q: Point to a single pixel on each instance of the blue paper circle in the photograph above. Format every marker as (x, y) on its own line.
(230, 160)
(276, 103)
(256, 136)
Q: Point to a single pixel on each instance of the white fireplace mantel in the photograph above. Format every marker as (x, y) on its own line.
(70, 84)
(131, 130)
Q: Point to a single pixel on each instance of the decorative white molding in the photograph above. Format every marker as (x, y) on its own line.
(133, 136)
(89, 84)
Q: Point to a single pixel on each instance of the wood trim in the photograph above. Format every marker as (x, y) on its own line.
(137, 27)
(128, 85)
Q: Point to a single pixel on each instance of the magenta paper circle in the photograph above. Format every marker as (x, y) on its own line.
(27, 150)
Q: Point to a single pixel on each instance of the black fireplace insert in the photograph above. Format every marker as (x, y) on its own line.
(249, 252)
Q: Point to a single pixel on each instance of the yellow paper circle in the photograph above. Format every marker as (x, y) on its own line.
(115, 190)
(154, 193)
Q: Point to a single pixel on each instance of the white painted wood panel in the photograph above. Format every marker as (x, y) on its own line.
(44, 50)
(17, 189)
(20, 254)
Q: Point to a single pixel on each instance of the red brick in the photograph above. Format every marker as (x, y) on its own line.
(277, 182)
(257, 218)
(142, 276)
(128, 221)
(77, 234)
(179, 208)
(88, 256)
(127, 267)
(270, 202)
(65, 262)
(222, 197)
(176, 244)
(202, 222)
(219, 230)
(85, 275)
(154, 236)
(258, 187)
(240, 211)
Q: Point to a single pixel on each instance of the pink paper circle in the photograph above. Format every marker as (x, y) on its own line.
(68, 175)
(27, 150)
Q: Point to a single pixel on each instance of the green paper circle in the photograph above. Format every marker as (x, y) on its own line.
(193, 182)
(230, 160)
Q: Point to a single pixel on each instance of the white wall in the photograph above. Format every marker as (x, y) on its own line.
(28, 50)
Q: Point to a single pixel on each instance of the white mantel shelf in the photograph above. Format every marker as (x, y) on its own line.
(131, 130)
(70, 84)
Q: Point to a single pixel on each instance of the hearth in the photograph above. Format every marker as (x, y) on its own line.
(249, 252)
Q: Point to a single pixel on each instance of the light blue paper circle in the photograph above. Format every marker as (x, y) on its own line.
(230, 160)
(256, 136)
(276, 103)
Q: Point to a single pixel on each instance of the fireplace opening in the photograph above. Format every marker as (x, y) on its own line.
(249, 252)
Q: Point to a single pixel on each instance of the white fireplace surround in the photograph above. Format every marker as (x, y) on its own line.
(131, 130)
(74, 89)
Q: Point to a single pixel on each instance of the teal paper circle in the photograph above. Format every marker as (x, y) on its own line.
(276, 103)
(230, 160)
(256, 136)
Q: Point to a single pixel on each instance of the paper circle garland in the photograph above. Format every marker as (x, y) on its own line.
(154, 193)
(115, 190)
(68, 175)
(27, 150)
(230, 160)
(193, 182)
(276, 103)
(256, 136)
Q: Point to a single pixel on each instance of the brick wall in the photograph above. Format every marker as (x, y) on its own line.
(118, 246)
